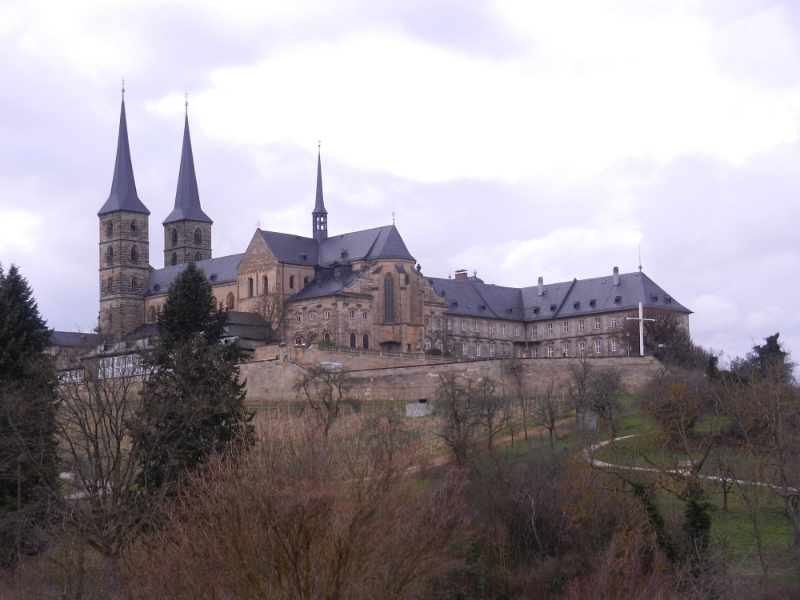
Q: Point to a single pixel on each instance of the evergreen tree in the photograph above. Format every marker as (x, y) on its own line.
(28, 446)
(193, 401)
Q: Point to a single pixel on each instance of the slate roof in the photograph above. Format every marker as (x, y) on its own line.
(244, 325)
(76, 339)
(377, 243)
(560, 300)
(327, 287)
(319, 205)
(218, 270)
(123, 194)
(187, 197)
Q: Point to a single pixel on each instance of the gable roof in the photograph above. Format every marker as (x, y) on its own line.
(288, 248)
(218, 270)
(560, 300)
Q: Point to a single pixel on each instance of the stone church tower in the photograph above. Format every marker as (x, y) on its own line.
(320, 216)
(124, 246)
(187, 229)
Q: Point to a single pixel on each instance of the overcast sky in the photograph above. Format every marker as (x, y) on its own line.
(516, 138)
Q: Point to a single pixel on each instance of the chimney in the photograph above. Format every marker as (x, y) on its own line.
(541, 286)
(616, 276)
(461, 275)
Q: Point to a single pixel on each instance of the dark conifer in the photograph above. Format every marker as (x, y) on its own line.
(28, 446)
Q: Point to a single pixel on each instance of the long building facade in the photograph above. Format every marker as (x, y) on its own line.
(360, 290)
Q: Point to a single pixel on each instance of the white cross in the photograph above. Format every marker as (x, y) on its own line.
(641, 320)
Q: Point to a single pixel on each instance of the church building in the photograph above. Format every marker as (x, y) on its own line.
(361, 290)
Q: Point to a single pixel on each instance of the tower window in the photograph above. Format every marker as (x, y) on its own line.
(109, 285)
(173, 236)
(134, 284)
(198, 237)
(197, 257)
(110, 257)
(134, 230)
(134, 255)
(109, 229)
(249, 287)
(265, 285)
(291, 282)
(174, 260)
(365, 341)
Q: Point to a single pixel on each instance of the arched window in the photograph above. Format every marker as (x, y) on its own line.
(151, 315)
(427, 344)
(110, 320)
(134, 284)
(365, 342)
(305, 281)
(134, 230)
(109, 229)
(109, 257)
(109, 285)
(173, 236)
(388, 299)
(214, 302)
(297, 341)
(265, 285)
(197, 257)
(134, 255)
(174, 259)
(328, 337)
(249, 287)
(231, 302)
(291, 282)
(198, 237)
(352, 340)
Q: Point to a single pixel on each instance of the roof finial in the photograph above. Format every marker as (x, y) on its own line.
(640, 258)
(186, 102)
(123, 88)
(392, 217)
(319, 145)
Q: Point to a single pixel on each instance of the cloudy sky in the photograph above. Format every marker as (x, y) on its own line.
(517, 138)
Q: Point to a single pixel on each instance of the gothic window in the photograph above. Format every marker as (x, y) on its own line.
(151, 315)
(198, 257)
(298, 341)
(173, 236)
(305, 281)
(109, 285)
(327, 337)
(352, 340)
(291, 282)
(109, 229)
(388, 299)
(134, 231)
(427, 344)
(365, 341)
(198, 237)
(249, 287)
(134, 284)
(134, 255)
(231, 302)
(174, 260)
(264, 285)
(109, 257)
(439, 344)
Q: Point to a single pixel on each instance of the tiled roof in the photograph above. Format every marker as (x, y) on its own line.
(218, 270)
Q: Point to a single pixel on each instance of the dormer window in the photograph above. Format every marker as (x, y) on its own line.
(552, 307)
(654, 298)
(337, 273)
(617, 299)
(536, 310)
(592, 302)
(576, 305)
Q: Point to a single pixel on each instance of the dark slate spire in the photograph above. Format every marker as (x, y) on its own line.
(187, 198)
(123, 188)
(319, 218)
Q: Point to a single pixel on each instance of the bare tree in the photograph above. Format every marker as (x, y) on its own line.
(580, 373)
(492, 409)
(547, 410)
(514, 373)
(272, 308)
(325, 389)
(604, 387)
(455, 402)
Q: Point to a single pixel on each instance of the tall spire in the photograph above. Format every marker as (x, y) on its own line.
(319, 218)
(123, 187)
(187, 198)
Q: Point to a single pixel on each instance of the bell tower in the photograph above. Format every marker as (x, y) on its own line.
(319, 218)
(124, 246)
(187, 229)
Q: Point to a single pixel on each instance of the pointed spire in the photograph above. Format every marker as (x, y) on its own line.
(123, 187)
(187, 198)
(319, 205)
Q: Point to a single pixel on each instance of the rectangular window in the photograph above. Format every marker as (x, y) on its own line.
(534, 332)
(549, 329)
(477, 327)
(597, 323)
(449, 324)
(549, 352)
(566, 326)
(613, 345)
(597, 347)
(463, 325)
(477, 349)
(297, 318)
(491, 328)
(327, 314)
(516, 330)
(491, 350)
(364, 315)
(503, 329)
(613, 321)
(581, 326)
(581, 348)
(566, 350)
(519, 352)
(535, 353)
(463, 349)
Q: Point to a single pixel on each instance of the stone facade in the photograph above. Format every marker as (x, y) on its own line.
(186, 241)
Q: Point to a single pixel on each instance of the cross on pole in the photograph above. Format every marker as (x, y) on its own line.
(641, 320)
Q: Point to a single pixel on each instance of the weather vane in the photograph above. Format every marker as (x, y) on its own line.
(186, 102)
(392, 217)
(123, 87)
